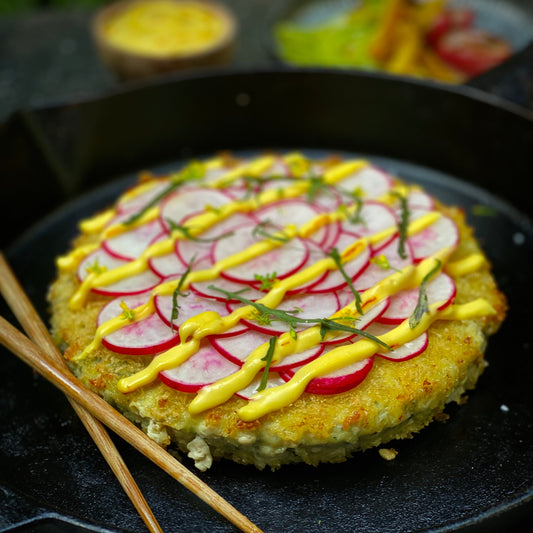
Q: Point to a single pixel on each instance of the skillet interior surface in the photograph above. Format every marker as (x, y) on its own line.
(474, 472)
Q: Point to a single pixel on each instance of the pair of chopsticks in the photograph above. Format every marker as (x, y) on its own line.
(40, 352)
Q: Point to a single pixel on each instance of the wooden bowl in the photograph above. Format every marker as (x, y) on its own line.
(141, 38)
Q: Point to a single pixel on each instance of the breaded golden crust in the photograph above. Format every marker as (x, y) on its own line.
(393, 402)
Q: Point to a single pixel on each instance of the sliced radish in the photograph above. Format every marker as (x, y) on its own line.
(334, 279)
(375, 217)
(283, 260)
(294, 211)
(402, 304)
(338, 381)
(184, 202)
(374, 273)
(165, 265)
(189, 306)
(202, 289)
(273, 380)
(403, 352)
(203, 368)
(306, 306)
(441, 234)
(315, 254)
(200, 247)
(127, 286)
(371, 181)
(238, 347)
(148, 336)
(131, 244)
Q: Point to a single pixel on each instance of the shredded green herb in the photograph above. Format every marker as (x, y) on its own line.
(177, 292)
(402, 225)
(422, 305)
(267, 281)
(334, 254)
(289, 318)
(268, 359)
(188, 235)
(195, 170)
(261, 231)
(127, 313)
(484, 210)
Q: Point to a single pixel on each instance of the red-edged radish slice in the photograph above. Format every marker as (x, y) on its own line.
(203, 368)
(284, 260)
(404, 351)
(148, 336)
(306, 306)
(141, 195)
(371, 181)
(238, 347)
(375, 217)
(179, 205)
(338, 381)
(420, 200)
(374, 273)
(127, 286)
(441, 234)
(200, 247)
(402, 304)
(315, 254)
(363, 321)
(132, 243)
(165, 265)
(273, 380)
(334, 279)
(189, 306)
(293, 211)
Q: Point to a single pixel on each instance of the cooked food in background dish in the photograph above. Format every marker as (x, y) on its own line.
(427, 39)
(276, 309)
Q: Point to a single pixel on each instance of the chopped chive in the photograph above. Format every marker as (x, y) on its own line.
(177, 292)
(334, 254)
(402, 225)
(188, 235)
(422, 305)
(268, 359)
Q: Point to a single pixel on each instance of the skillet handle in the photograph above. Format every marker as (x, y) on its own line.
(512, 80)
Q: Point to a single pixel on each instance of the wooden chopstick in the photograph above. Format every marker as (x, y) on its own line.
(30, 320)
(62, 378)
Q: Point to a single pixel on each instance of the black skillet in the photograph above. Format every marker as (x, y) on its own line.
(473, 473)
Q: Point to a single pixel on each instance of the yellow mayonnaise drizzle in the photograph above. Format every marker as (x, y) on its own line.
(207, 323)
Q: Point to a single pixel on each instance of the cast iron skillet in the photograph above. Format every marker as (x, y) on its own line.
(473, 473)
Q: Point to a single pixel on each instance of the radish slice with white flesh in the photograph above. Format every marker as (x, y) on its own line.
(402, 305)
(441, 234)
(273, 380)
(363, 321)
(136, 201)
(200, 246)
(294, 211)
(340, 380)
(132, 243)
(179, 205)
(334, 279)
(189, 306)
(283, 260)
(203, 368)
(304, 306)
(127, 286)
(375, 272)
(238, 347)
(370, 181)
(374, 218)
(165, 265)
(315, 253)
(403, 352)
(148, 336)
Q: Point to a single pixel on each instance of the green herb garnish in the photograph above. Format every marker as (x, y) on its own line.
(261, 231)
(402, 225)
(177, 292)
(127, 313)
(422, 305)
(334, 254)
(289, 318)
(267, 281)
(484, 210)
(268, 361)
